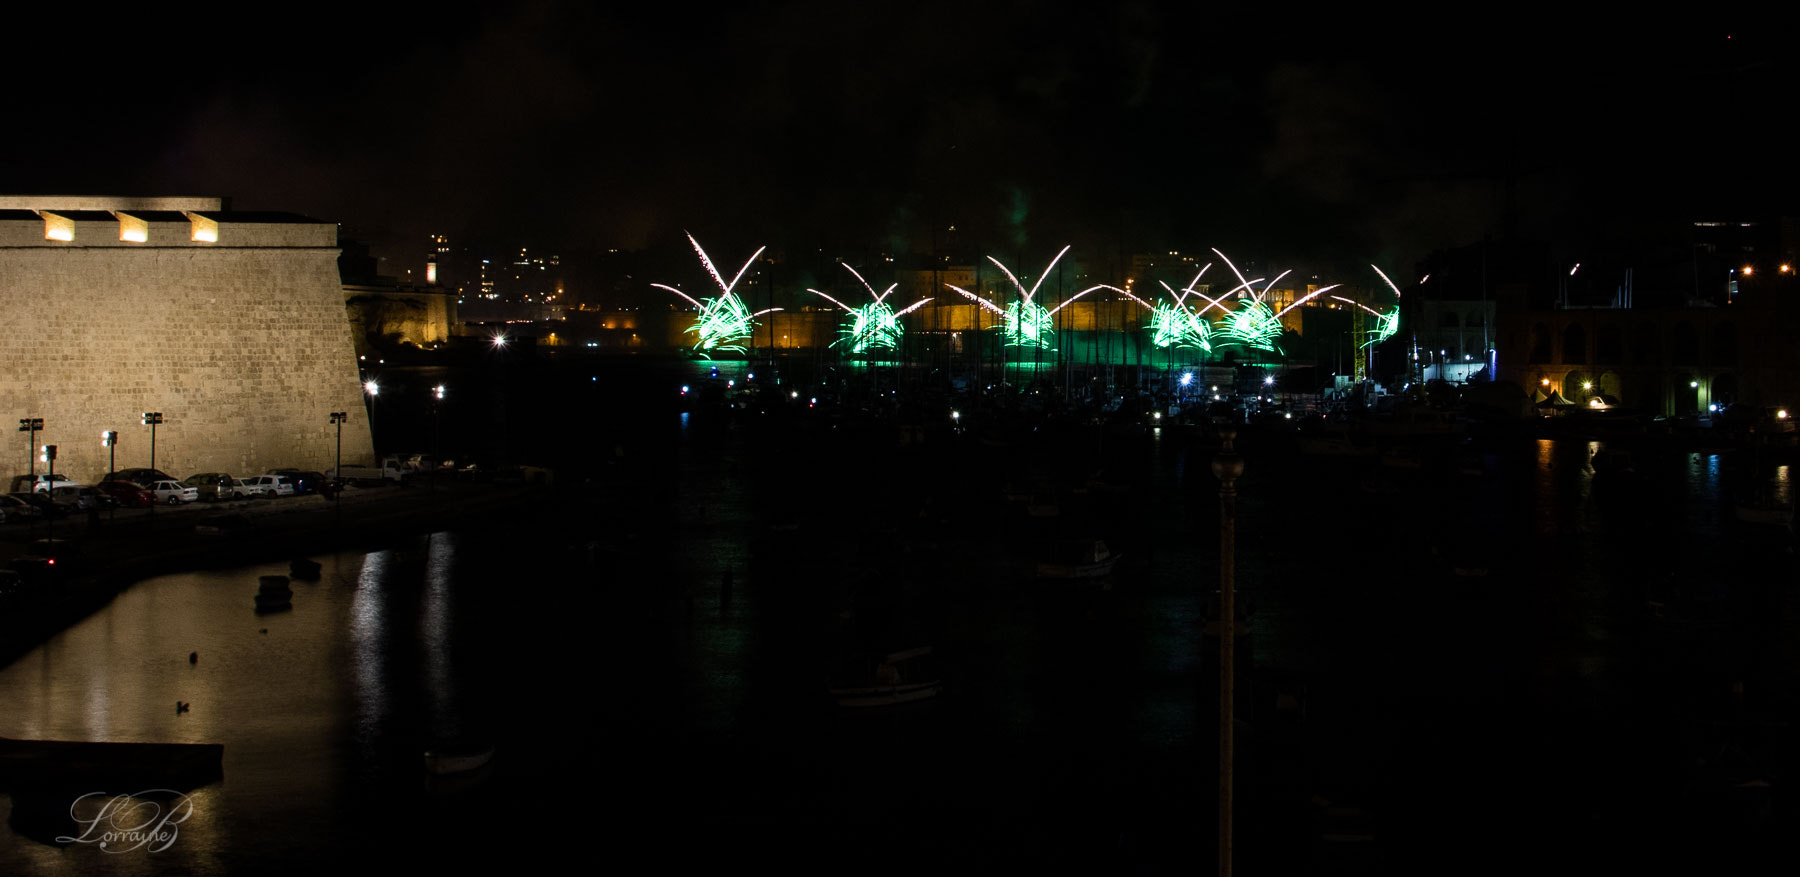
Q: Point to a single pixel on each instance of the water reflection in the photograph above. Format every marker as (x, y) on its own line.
(368, 638)
(1417, 664)
(437, 628)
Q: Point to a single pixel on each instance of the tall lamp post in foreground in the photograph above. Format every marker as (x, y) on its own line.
(337, 473)
(1227, 467)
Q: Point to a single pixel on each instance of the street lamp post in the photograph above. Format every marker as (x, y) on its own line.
(337, 472)
(437, 443)
(373, 389)
(437, 439)
(151, 419)
(50, 493)
(1227, 467)
(110, 438)
(31, 426)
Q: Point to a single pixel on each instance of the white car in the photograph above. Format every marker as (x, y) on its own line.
(174, 492)
(43, 483)
(268, 485)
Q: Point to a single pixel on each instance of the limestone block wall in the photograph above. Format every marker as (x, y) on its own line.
(244, 349)
(378, 316)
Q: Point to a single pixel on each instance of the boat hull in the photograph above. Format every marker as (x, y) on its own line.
(442, 763)
(1076, 570)
(886, 695)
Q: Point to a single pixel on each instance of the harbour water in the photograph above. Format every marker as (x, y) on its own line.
(1458, 669)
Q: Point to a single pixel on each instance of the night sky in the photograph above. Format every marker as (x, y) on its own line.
(861, 127)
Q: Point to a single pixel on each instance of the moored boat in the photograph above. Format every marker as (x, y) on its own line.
(444, 762)
(900, 677)
(1081, 560)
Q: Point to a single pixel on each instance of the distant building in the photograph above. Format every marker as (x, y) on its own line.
(1673, 327)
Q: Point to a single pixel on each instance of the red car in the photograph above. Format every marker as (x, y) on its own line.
(128, 494)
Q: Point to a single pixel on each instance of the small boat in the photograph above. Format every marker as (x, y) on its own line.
(1080, 560)
(273, 594)
(304, 568)
(901, 677)
(441, 763)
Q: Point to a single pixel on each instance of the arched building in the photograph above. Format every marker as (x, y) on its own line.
(1661, 360)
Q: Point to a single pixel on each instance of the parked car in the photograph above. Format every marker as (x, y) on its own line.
(78, 499)
(304, 482)
(127, 493)
(42, 483)
(270, 485)
(14, 510)
(213, 486)
(388, 471)
(46, 506)
(96, 498)
(140, 477)
(173, 492)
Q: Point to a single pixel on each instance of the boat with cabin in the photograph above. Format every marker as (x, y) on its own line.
(898, 677)
(1083, 559)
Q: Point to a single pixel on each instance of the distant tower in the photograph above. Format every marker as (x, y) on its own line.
(440, 245)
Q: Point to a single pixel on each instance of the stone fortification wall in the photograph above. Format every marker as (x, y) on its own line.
(381, 318)
(107, 202)
(241, 342)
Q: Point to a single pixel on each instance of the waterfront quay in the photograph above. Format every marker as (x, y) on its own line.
(102, 553)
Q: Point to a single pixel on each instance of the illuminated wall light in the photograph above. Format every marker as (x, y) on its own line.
(133, 229)
(204, 230)
(58, 228)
